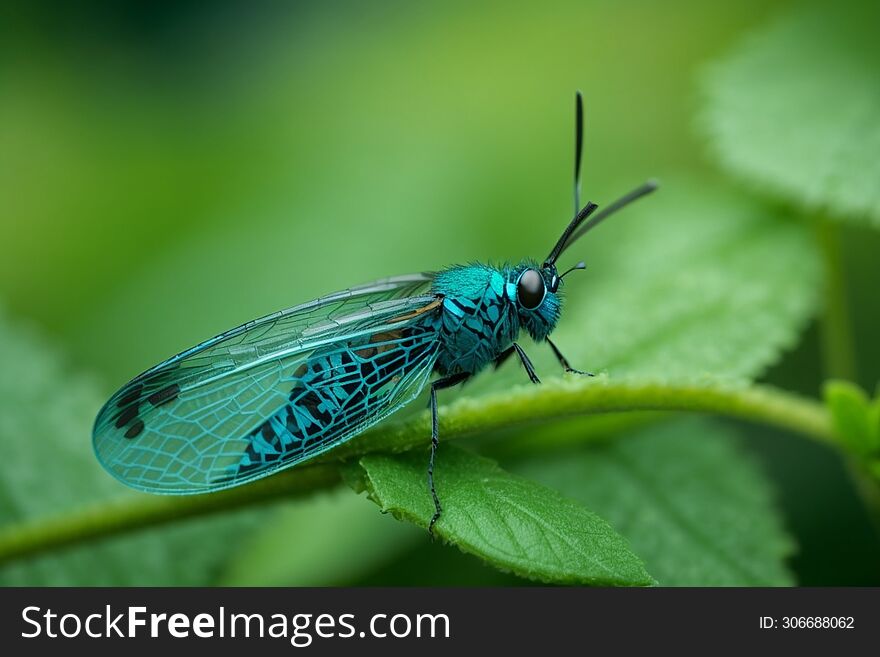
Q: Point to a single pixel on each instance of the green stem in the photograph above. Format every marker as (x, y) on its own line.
(867, 487)
(836, 331)
(117, 517)
(520, 406)
(556, 400)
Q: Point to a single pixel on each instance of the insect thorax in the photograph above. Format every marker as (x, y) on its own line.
(478, 320)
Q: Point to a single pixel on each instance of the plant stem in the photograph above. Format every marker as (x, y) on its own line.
(836, 331)
(562, 399)
(520, 406)
(118, 517)
(868, 490)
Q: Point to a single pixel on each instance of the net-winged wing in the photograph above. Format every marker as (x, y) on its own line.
(273, 392)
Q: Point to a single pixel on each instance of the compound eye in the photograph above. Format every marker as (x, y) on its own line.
(530, 289)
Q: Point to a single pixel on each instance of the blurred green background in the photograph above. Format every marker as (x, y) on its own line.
(170, 170)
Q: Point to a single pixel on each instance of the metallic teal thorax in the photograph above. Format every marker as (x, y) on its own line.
(482, 316)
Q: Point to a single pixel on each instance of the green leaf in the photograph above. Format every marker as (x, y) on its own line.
(795, 109)
(329, 540)
(510, 522)
(853, 416)
(874, 424)
(693, 506)
(48, 468)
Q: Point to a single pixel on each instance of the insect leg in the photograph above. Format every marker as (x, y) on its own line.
(564, 361)
(530, 369)
(502, 358)
(448, 382)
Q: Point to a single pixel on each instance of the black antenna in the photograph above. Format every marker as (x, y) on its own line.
(580, 265)
(619, 204)
(579, 218)
(578, 147)
(577, 228)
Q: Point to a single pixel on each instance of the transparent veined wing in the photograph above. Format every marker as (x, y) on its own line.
(273, 392)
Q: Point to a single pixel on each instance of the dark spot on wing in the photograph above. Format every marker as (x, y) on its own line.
(131, 402)
(165, 395)
(127, 415)
(132, 396)
(135, 429)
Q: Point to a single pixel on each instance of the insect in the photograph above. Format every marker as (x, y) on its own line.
(284, 388)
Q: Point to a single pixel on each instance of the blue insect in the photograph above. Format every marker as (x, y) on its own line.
(287, 387)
